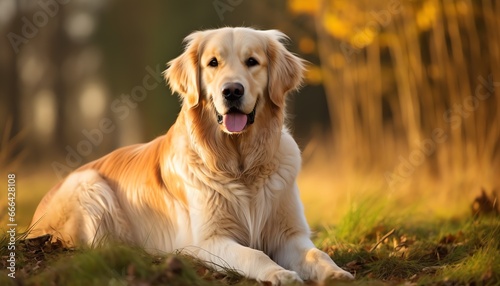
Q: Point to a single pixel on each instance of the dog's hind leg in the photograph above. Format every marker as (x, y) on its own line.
(83, 210)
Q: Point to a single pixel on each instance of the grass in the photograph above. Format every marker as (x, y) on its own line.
(457, 251)
(465, 251)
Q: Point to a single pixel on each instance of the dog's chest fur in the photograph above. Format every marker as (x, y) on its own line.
(245, 206)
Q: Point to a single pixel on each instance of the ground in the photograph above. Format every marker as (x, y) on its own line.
(377, 250)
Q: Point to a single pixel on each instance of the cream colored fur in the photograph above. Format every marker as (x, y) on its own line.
(227, 198)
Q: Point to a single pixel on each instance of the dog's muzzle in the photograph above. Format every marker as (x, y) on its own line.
(234, 120)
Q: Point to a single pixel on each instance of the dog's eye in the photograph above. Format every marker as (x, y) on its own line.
(251, 62)
(213, 63)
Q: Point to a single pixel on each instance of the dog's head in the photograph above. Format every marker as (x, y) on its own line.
(235, 72)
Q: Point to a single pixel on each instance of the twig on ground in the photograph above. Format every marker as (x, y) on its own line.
(382, 239)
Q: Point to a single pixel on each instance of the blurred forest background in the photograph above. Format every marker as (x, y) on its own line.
(401, 99)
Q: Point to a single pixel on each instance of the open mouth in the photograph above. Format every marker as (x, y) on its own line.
(235, 120)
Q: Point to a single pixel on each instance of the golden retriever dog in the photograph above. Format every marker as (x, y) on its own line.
(221, 184)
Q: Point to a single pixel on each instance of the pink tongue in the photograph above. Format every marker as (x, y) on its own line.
(234, 121)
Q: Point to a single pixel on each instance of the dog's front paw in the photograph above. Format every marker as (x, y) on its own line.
(338, 274)
(283, 277)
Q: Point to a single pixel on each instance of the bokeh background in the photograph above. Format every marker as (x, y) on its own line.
(399, 110)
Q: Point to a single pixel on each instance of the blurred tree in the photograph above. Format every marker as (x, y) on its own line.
(396, 72)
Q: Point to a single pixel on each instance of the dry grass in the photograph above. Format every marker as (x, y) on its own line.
(31, 186)
(329, 190)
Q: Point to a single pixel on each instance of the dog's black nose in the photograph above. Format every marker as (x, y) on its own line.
(233, 90)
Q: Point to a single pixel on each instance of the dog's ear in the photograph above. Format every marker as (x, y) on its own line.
(286, 70)
(183, 72)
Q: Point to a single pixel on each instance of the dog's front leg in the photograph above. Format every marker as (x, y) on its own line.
(224, 252)
(300, 255)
